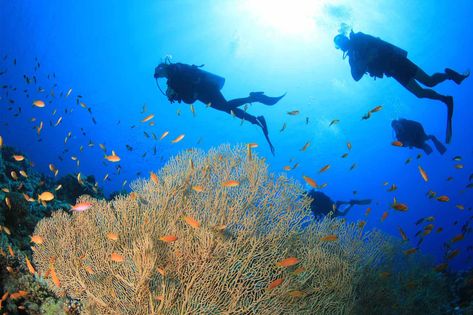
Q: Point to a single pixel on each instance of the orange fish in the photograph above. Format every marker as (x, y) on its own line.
(423, 174)
(291, 261)
(361, 224)
(310, 181)
(286, 168)
(384, 216)
(275, 283)
(305, 146)
(399, 206)
(168, 238)
(37, 239)
(18, 158)
(410, 251)
(117, 257)
(198, 188)
(30, 266)
(8, 202)
(89, 269)
(179, 138)
(323, 169)
(296, 293)
(39, 103)
(231, 183)
(457, 238)
(23, 173)
(164, 135)
(397, 143)
(368, 210)
(334, 122)
(82, 206)
(252, 145)
(192, 222)
(298, 271)
(45, 196)
(54, 277)
(112, 158)
(441, 267)
(13, 175)
(154, 178)
(329, 238)
(7, 230)
(451, 254)
(148, 118)
(376, 109)
(112, 236)
(58, 122)
(403, 234)
(443, 198)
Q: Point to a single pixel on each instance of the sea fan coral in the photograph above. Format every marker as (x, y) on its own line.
(172, 248)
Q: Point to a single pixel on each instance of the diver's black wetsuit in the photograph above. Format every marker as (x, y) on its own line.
(368, 54)
(322, 204)
(190, 83)
(379, 58)
(411, 134)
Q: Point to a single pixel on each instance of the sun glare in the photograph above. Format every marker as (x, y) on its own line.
(289, 17)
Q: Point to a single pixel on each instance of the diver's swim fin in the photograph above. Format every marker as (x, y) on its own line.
(438, 145)
(262, 123)
(263, 99)
(455, 76)
(449, 103)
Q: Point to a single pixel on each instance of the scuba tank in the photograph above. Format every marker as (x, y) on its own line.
(210, 78)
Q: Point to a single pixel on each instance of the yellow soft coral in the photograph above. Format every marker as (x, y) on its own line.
(224, 264)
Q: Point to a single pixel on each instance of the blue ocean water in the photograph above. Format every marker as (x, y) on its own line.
(107, 51)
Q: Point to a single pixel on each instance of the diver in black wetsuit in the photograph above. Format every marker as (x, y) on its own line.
(189, 83)
(377, 57)
(412, 134)
(322, 204)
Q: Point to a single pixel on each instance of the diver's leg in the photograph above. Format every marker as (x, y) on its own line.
(430, 80)
(260, 121)
(438, 145)
(436, 78)
(414, 87)
(420, 92)
(427, 149)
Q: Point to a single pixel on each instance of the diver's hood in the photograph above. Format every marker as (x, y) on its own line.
(159, 71)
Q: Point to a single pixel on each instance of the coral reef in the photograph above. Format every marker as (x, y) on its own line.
(211, 233)
(20, 211)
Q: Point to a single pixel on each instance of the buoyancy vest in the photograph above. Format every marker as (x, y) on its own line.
(188, 80)
(364, 45)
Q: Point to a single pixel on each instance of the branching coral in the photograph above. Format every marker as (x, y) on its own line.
(114, 259)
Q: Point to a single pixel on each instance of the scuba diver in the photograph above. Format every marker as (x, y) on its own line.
(323, 205)
(411, 134)
(189, 83)
(368, 54)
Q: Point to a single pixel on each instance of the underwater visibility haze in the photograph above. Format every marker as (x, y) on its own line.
(217, 157)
